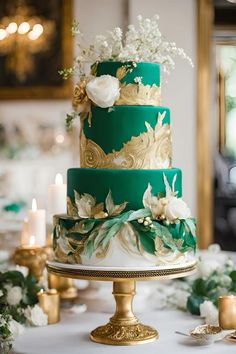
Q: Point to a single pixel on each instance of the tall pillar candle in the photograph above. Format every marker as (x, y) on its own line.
(37, 224)
(57, 196)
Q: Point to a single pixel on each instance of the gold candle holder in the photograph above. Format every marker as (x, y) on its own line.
(65, 286)
(227, 312)
(32, 257)
(49, 301)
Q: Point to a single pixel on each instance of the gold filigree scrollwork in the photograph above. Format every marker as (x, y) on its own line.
(150, 150)
(118, 334)
(139, 94)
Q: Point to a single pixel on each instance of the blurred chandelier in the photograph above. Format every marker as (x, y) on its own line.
(23, 35)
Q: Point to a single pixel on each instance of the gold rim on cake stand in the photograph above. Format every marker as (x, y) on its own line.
(124, 328)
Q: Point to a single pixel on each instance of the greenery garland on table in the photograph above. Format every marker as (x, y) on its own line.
(221, 281)
(199, 294)
(18, 306)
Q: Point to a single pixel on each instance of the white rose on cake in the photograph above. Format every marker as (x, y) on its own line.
(103, 90)
(176, 208)
(153, 203)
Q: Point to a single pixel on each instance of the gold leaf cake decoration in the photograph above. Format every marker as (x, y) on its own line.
(149, 150)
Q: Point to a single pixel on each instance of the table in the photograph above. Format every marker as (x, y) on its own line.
(71, 336)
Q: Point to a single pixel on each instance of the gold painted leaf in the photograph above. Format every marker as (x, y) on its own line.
(71, 208)
(82, 227)
(90, 118)
(84, 204)
(102, 252)
(94, 69)
(97, 211)
(113, 209)
(121, 72)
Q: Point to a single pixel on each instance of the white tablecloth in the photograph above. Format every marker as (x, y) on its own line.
(71, 336)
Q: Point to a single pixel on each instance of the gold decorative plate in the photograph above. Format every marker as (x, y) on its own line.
(121, 273)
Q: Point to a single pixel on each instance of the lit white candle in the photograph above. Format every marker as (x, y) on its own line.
(32, 241)
(57, 196)
(37, 224)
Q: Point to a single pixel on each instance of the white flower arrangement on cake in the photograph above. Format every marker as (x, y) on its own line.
(141, 43)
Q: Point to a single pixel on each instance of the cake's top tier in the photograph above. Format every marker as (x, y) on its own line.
(139, 82)
(127, 72)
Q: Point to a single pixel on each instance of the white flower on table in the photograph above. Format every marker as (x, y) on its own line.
(207, 266)
(15, 328)
(14, 295)
(36, 316)
(103, 90)
(209, 312)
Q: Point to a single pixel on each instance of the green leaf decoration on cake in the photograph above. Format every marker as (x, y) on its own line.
(158, 228)
(164, 234)
(113, 209)
(106, 232)
(146, 237)
(141, 213)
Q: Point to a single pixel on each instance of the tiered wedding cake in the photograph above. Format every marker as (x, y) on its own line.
(124, 203)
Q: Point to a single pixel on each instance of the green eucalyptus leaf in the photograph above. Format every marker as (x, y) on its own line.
(165, 235)
(190, 240)
(140, 228)
(233, 276)
(108, 229)
(190, 226)
(147, 243)
(111, 233)
(15, 277)
(138, 214)
(199, 287)
(146, 236)
(210, 284)
(193, 304)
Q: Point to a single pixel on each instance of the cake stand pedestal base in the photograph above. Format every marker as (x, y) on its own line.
(124, 328)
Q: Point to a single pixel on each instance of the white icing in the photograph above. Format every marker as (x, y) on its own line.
(117, 256)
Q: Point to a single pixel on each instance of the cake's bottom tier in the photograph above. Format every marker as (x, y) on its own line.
(120, 241)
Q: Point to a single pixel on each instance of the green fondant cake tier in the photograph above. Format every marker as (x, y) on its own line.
(134, 136)
(111, 129)
(149, 72)
(124, 184)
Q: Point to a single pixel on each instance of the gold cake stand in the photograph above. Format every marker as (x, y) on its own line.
(124, 328)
